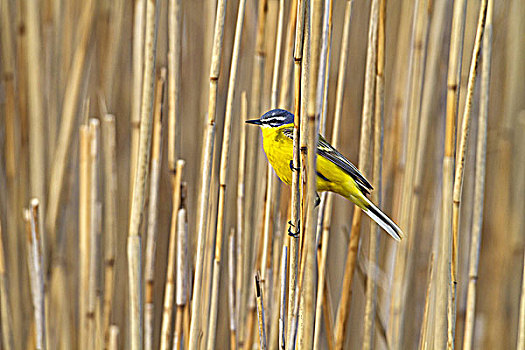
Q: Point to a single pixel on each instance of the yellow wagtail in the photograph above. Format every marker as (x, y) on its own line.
(334, 172)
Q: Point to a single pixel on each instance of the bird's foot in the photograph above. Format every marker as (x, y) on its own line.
(292, 168)
(317, 200)
(297, 229)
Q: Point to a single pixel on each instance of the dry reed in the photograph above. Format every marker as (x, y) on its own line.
(481, 153)
(151, 239)
(78, 290)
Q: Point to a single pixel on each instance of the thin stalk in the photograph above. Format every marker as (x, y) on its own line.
(113, 45)
(37, 272)
(206, 174)
(443, 272)
(479, 188)
(94, 126)
(423, 339)
(135, 293)
(181, 294)
(335, 130)
(272, 187)
(13, 170)
(37, 129)
(84, 223)
(151, 239)
(373, 257)
(282, 307)
(5, 311)
(141, 175)
(288, 63)
(169, 287)
(321, 102)
(460, 165)
(260, 313)
(223, 176)
(174, 78)
(242, 242)
(295, 193)
(364, 146)
(403, 263)
(109, 139)
(68, 118)
(231, 289)
(255, 187)
(136, 91)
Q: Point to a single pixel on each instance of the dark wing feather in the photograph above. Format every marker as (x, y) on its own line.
(324, 149)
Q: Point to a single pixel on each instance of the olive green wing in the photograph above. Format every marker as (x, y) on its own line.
(327, 151)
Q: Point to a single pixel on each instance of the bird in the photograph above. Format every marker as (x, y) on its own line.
(335, 173)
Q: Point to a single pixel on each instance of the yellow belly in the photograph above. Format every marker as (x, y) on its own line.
(279, 151)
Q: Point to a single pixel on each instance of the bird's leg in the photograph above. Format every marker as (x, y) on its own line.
(317, 200)
(292, 168)
(298, 230)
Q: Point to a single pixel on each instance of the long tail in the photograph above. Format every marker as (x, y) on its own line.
(382, 220)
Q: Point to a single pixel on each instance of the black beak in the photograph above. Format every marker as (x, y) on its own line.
(254, 121)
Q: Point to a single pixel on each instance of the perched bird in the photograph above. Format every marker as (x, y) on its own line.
(334, 172)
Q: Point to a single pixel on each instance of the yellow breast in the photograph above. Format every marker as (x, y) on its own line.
(279, 150)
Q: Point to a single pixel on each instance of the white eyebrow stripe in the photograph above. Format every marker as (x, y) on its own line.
(274, 119)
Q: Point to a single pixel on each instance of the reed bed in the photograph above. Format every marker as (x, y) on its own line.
(137, 209)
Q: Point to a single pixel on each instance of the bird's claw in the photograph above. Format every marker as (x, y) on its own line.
(317, 200)
(291, 166)
(292, 233)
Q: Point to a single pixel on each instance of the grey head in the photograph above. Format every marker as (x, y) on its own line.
(273, 118)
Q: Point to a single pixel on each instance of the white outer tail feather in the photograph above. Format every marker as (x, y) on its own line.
(383, 220)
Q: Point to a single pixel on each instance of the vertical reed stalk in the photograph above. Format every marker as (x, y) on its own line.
(37, 150)
(260, 313)
(113, 45)
(364, 146)
(321, 94)
(68, 117)
(5, 311)
(271, 206)
(254, 194)
(242, 242)
(335, 130)
(109, 139)
(206, 173)
(443, 282)
(182, 276)
(84, 222)
(169, 288)
(423, 339)
(371, 284)
(36, 270)
(460, 162)
(141, 175)
(479, 187)
(174, 78)
(231, 289)
(223, 175)
(151, 239)
(13, 170)
(282, 307)
(181, 294)
(314, 108)
(288, 61)
(416, 71)
(136, 91)
(93, 232)
(296, 163)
